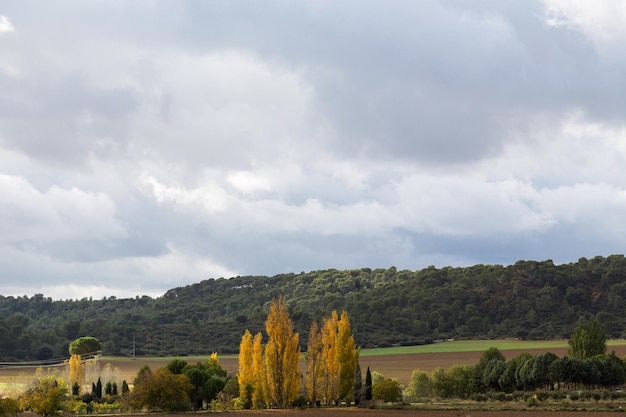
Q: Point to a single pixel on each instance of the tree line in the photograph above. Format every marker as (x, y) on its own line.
(585, 367)
(526, 300)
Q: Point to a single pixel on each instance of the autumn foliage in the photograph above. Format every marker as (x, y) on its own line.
(269, 374)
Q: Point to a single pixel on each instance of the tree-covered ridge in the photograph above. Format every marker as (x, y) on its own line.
(530, 300)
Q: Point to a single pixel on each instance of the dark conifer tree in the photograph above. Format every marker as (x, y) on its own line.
(358, 385)
(98, 392)
(368, 385)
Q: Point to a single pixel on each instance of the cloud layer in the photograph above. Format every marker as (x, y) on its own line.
(175, 142)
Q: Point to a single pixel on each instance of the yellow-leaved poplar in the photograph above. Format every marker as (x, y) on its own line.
(77, 370)
(315, 364)
(260, 389)
(282, 353)
(348, 358)
(331, 357)
(245, 376)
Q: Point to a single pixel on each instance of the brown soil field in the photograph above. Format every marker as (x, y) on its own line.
(391, 366)
(355, 412)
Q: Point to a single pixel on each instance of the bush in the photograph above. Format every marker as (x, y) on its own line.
(498, 396)
(387, 390)
(479, 397)
(300, 402)
(9, 407)
(518, 395)
(574, 396)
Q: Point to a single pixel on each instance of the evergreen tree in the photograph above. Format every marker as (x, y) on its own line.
(108, 388)
(98, 392)
(368, 385)
(358, 385)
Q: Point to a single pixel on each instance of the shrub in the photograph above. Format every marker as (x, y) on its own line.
(498, 396)
(518, 395)
(479, 397)
(300, 402)
(387, 390)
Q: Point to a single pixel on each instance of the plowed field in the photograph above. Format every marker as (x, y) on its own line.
(391, 366)
(355, 412)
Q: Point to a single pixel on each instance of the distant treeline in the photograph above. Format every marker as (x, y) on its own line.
(527, 300)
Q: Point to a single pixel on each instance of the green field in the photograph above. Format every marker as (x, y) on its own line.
(476, 346)
(440, 347)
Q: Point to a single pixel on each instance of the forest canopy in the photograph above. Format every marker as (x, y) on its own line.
(526, 300)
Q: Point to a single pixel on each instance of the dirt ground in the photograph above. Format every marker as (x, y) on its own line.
(355, 412)
(391, 366)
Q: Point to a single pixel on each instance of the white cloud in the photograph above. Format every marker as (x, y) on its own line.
(247, 182)
(209, 197)
(57, 222)
(5, 25)
(121, 277)
(602, 20)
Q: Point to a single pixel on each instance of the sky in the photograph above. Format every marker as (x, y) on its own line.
(148, 145)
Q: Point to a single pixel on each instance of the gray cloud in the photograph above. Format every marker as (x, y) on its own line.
(150, 145)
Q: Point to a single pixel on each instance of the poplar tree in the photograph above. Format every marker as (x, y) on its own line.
(587, 340)
(348, 357)
(282, 353)
(315, 365)
(245, 377)
(77, 371)
(331, 357)
(260, 389)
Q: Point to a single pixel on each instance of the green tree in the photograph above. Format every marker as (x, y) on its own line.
(9, 407)
(45, 397)
(161, 391)
(368, 385)
(85, 346)
(98, 391)
(420, 385)
(388, 390)
(587, 340)
(358, 385)
(176, 366)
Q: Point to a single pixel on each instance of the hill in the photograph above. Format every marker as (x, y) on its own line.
(527, 300)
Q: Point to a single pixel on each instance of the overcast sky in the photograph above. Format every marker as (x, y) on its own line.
(146, 145)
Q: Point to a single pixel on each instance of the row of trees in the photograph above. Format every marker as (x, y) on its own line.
(587, 366)
(269, 374)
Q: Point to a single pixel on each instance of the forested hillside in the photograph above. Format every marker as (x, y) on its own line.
(530, 300)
